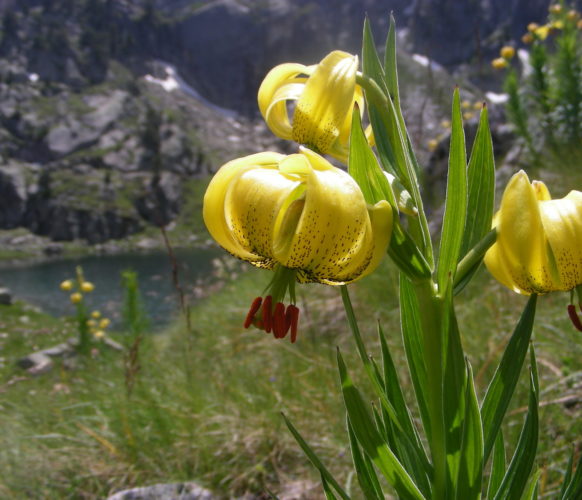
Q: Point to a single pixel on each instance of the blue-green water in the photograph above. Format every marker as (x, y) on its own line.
(38, 282)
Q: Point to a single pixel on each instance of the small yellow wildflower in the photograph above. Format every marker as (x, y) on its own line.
(87, 286)
(432, 145)
(99, 334)
(507, 52)
(96, 314)
(104, 323)
(466, 104)
(467, 115)
(555, 8)
(446, 124)
(573, 15)
(527, 38)
(76, 297)
(499, 63)
(532, 27)
(91, 323)
(66, 286)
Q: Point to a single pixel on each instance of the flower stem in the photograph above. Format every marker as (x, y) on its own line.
(432, 308)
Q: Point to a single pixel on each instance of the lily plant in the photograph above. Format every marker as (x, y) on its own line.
(309, 221)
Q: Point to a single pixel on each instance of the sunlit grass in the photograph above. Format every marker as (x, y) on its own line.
(206, 405)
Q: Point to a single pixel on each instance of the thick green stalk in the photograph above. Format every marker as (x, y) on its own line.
(432, 320)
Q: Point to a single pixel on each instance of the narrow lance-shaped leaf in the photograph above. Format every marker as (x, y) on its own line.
(364, 469)
(470, 471)
(412, 338)
(314, 459)
(456, 200)
(519, 470)
(504, 380)
(371, 441)
(410, 449)
(573, 491)
(375, 186)
(481, 194)
(498, 464)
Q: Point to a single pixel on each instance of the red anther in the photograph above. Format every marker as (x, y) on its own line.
(255, 306)
(279, 321)
(292, 318)
(574, 317)
(268, 313)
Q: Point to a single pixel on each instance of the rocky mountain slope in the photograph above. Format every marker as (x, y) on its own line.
(108, 108)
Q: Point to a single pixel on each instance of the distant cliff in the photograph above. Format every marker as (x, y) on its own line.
(96, 138)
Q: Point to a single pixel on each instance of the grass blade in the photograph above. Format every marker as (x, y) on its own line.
(503, 384)
(364, 469)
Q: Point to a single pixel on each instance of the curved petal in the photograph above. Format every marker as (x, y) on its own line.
(278, 76)
(253, 203)
(276, 115)
(327, 99)
(332, 228)
(562, 220)
(215, 196)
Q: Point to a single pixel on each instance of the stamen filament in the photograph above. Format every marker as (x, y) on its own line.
(255, 306)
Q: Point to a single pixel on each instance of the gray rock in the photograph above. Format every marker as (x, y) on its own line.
(173, 491)
(5, 296)
(36, 363)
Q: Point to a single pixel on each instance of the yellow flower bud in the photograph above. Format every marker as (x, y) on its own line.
(66, 286)
(432, 145)
(557, 25)
(527, 38)
(76, 297)
(467, 115)
(507, 52)
(99, 334)
(96, 314)
(91, 323)
(446, 124)
(104, 323)
(466, 104)
(555, 8)
(87, 286)
(573, 15)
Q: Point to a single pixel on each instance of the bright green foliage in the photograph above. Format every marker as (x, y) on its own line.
(545, 103)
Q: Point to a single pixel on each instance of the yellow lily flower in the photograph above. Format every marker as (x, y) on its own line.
(325, 95)
(300, 216)
(539, 240)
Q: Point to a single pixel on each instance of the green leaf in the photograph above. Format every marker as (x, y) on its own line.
(326, 489)
(481, 193)
(364, 469)
(364, 168)
(470, 471)
(498, 464)
(481, 184)
(407, 444)
(518, 472)
(412, 337)
(455, 390)
(504, 380)
(390, 66)
(314, 459)
(573, 491)
(373, 375)
(371, 441)
(531, 492)
(456, 200)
